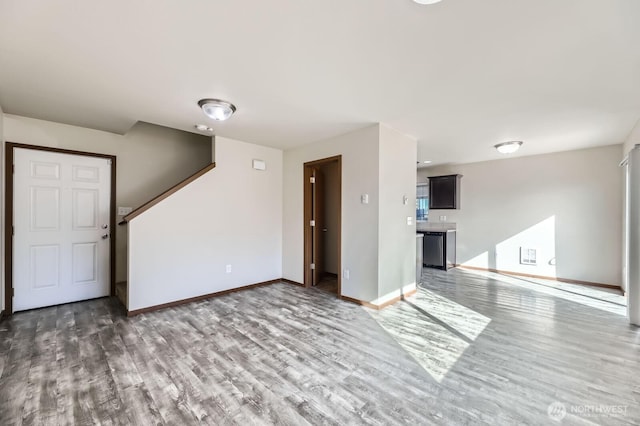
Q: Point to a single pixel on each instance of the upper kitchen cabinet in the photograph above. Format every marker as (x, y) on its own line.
(444, 192)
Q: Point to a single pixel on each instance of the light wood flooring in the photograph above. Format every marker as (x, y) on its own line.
(467, 349)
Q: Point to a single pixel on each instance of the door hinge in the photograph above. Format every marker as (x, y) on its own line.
(312, 179)
(13, 230)
(13, 169)
(109, 161)
(13, 292)
(313, 266)
(312, 223)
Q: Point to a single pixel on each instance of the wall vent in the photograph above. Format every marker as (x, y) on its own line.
(528, 256)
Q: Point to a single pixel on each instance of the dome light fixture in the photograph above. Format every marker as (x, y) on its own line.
(217, 109)
(508, 147)
(427, 1)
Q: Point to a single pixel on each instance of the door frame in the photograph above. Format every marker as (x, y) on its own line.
(308, 194)
(8, 215)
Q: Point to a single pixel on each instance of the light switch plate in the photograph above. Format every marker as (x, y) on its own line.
(364, 198)
(123, 211)
(409, 220)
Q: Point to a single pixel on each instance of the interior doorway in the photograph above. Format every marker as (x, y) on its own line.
(323, 224)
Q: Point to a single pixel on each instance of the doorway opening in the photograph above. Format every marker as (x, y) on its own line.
(323, 224)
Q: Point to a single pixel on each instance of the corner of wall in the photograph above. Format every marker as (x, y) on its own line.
(360, 164)
(396, 226)
(632, 139)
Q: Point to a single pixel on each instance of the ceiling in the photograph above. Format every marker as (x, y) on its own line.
(459, 76)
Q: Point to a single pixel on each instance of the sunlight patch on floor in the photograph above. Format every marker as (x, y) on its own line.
(433, 330)
(608, 300)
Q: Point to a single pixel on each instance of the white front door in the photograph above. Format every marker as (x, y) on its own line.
(61, 206)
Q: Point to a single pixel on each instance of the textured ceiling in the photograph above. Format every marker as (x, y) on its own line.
(459, 76)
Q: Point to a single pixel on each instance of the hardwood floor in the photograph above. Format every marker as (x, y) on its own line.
(329, 283)
(467, 349)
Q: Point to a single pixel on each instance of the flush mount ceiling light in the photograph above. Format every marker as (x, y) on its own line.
(508, 147)
(217, 109)
(427, 1)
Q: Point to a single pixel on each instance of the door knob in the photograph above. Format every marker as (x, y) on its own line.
(105, 236)
(105, 226)
(324, 229)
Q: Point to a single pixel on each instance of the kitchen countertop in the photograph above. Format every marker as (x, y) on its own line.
(435, 226)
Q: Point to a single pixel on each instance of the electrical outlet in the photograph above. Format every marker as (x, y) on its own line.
(345, 274)
(228, 269)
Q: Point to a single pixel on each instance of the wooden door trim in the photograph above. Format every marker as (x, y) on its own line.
(8, 216)
(307, 218)
(308, 195)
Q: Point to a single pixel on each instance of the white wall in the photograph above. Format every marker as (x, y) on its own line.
(230, 216)
(632, 254)
(150, 159)
(378, 246)
(360, 153)
(632, 140)
(396, 238)
(568, 205)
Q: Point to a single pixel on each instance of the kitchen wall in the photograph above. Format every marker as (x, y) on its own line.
(360, 153)
(567, 205)
(150, 159)
(232, 215)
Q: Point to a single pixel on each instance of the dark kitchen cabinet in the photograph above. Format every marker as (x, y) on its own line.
(444, 192)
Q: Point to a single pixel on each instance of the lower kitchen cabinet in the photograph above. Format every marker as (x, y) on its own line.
(439, 249)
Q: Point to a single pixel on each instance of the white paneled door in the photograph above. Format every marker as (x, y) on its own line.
(61, 206)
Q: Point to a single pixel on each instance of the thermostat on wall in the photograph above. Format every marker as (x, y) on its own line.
(259, 165)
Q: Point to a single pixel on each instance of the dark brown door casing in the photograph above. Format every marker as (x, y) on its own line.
(314, 237)
(318, 230)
